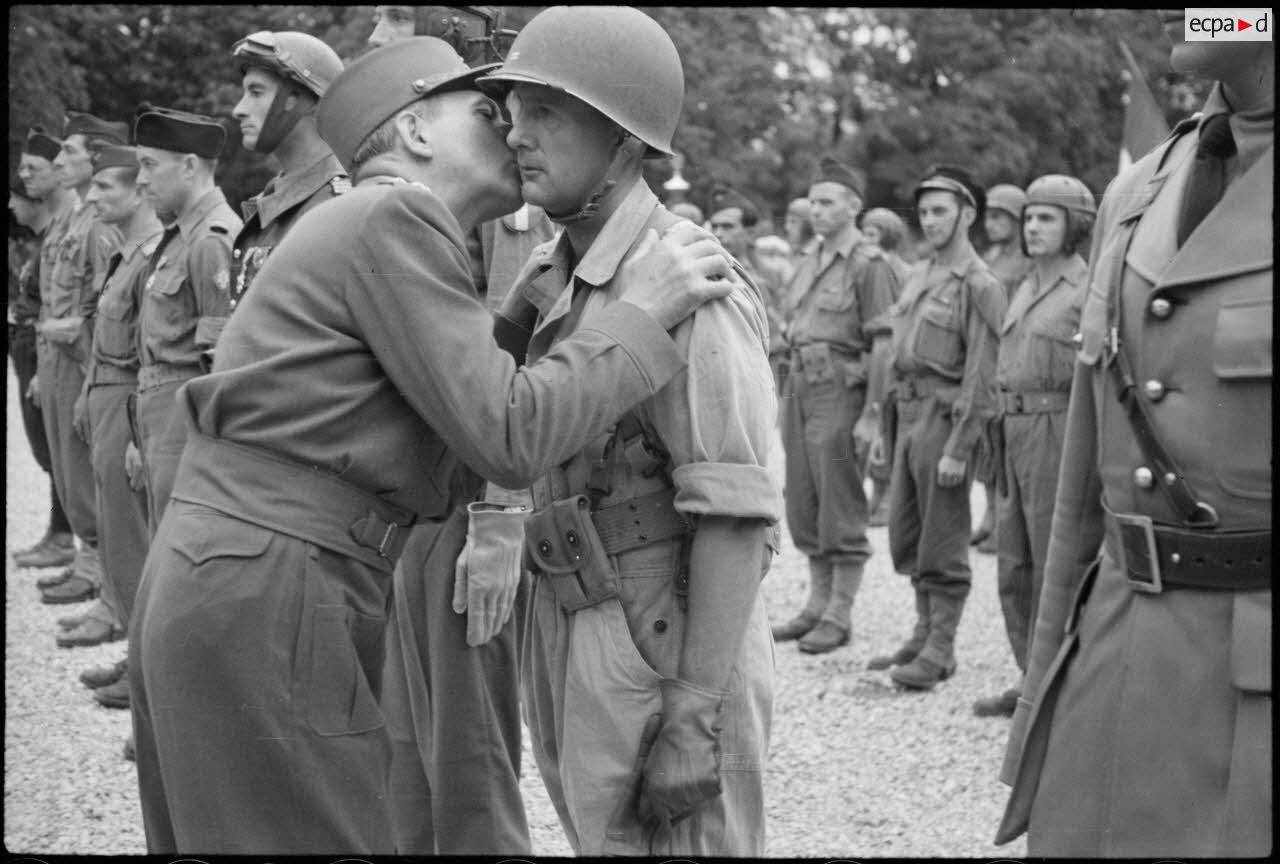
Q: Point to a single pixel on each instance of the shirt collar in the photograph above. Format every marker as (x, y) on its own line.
(286, 191)
(128, 247)
(618, 235)
(842, 244)
(204, 205)
(961, 265)
(1072, 270)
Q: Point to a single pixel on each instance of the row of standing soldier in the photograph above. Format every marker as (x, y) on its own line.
(906, 367)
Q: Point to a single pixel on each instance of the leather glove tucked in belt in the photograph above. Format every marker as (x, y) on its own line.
(682, 771)
(487, 572)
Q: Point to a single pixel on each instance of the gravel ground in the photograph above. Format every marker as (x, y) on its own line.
(857, 768)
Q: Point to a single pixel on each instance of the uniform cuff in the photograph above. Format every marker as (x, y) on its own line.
(648, 345)
(727, 489)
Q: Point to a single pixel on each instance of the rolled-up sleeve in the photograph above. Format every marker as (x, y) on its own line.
(716, 419)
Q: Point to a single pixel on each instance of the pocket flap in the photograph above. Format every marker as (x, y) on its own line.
(245, 540)
(555, 536)
(1251, 641)
(1242, 340)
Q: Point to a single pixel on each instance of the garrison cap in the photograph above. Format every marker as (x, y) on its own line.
(950, 178)
(41, 143)
(832, 170)
(80, 123)
(372, 89)
(178, 131)
(113, 156)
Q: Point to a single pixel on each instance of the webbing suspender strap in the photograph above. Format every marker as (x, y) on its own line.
(1194, 513)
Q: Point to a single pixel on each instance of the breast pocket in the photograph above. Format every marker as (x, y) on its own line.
(1054, 352)
(164, 293)
(938, 341)
(1242, 365)
(834, 298)
(117, 328)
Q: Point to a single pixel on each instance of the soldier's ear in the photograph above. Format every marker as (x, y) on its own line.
(414, 135)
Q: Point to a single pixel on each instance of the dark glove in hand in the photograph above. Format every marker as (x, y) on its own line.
(683, 769)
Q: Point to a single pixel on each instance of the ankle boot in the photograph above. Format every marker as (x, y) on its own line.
(936, 661)
(912, 646)
(836, 625)
(819, 595)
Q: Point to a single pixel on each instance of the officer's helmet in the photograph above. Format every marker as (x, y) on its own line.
(1006, 197)
(616, 59)
(294, 56)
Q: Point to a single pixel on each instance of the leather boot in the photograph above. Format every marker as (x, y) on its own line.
(819, 595)
(54, 579)
(836, 625)
(115, 695)
(912, 646)
(101, 676)
(53, 550)
(936, 661)
(997, 706)
(130, 752)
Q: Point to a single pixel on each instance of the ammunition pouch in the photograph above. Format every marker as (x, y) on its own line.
(561, 542)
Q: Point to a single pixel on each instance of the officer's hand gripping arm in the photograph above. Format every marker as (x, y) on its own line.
(487, 573)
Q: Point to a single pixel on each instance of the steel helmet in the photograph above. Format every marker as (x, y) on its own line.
(616, 59)
(1006, 197)
(297, 57)
(1062, 191)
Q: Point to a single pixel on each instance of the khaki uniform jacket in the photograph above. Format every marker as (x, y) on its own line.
(1162, 702)
(834, 301)
(73, 260)
(1009, 264)
(370, 356)
(1037, 348)
(186, 298)
(948, 330)
(272, 212)
(114, 357)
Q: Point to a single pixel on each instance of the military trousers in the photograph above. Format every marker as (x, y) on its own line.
(928, 524)
(255, 686)
(61, 379)
(590, 681)
(1032, 451)
(1151, 735)
(825, 500)
(452, 711)
(163, 431)
(122, 511)
(22, 351)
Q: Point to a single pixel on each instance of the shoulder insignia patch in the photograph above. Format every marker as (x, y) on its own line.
(222, 279)
(340, 185)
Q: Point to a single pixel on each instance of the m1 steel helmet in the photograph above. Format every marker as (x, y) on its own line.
(294, 56)
(616, 59)
(1006, 197)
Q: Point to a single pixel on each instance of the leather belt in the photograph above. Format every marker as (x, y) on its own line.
(105, 373)
(301, 501)
(845, 352)
(155, 374)
(912, 388)
(1044, 402)
(1156, 558)
(639, 522)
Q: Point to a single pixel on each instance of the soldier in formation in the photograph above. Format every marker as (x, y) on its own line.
(836, 292)
(945, 329)
(1033, 380)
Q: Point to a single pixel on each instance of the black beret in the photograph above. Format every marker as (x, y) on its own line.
(42, 144)
(80, 123)
(113, 156)
(178, 131)
(832, 170)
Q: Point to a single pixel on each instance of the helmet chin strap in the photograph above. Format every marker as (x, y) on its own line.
(591, 209)
(279, 121)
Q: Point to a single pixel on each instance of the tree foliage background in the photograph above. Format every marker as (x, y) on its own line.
(1010, 93)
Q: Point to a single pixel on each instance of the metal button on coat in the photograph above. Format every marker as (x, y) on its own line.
(1143, 477)
(1161, 307)
(660, 625)
(1154, 390)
